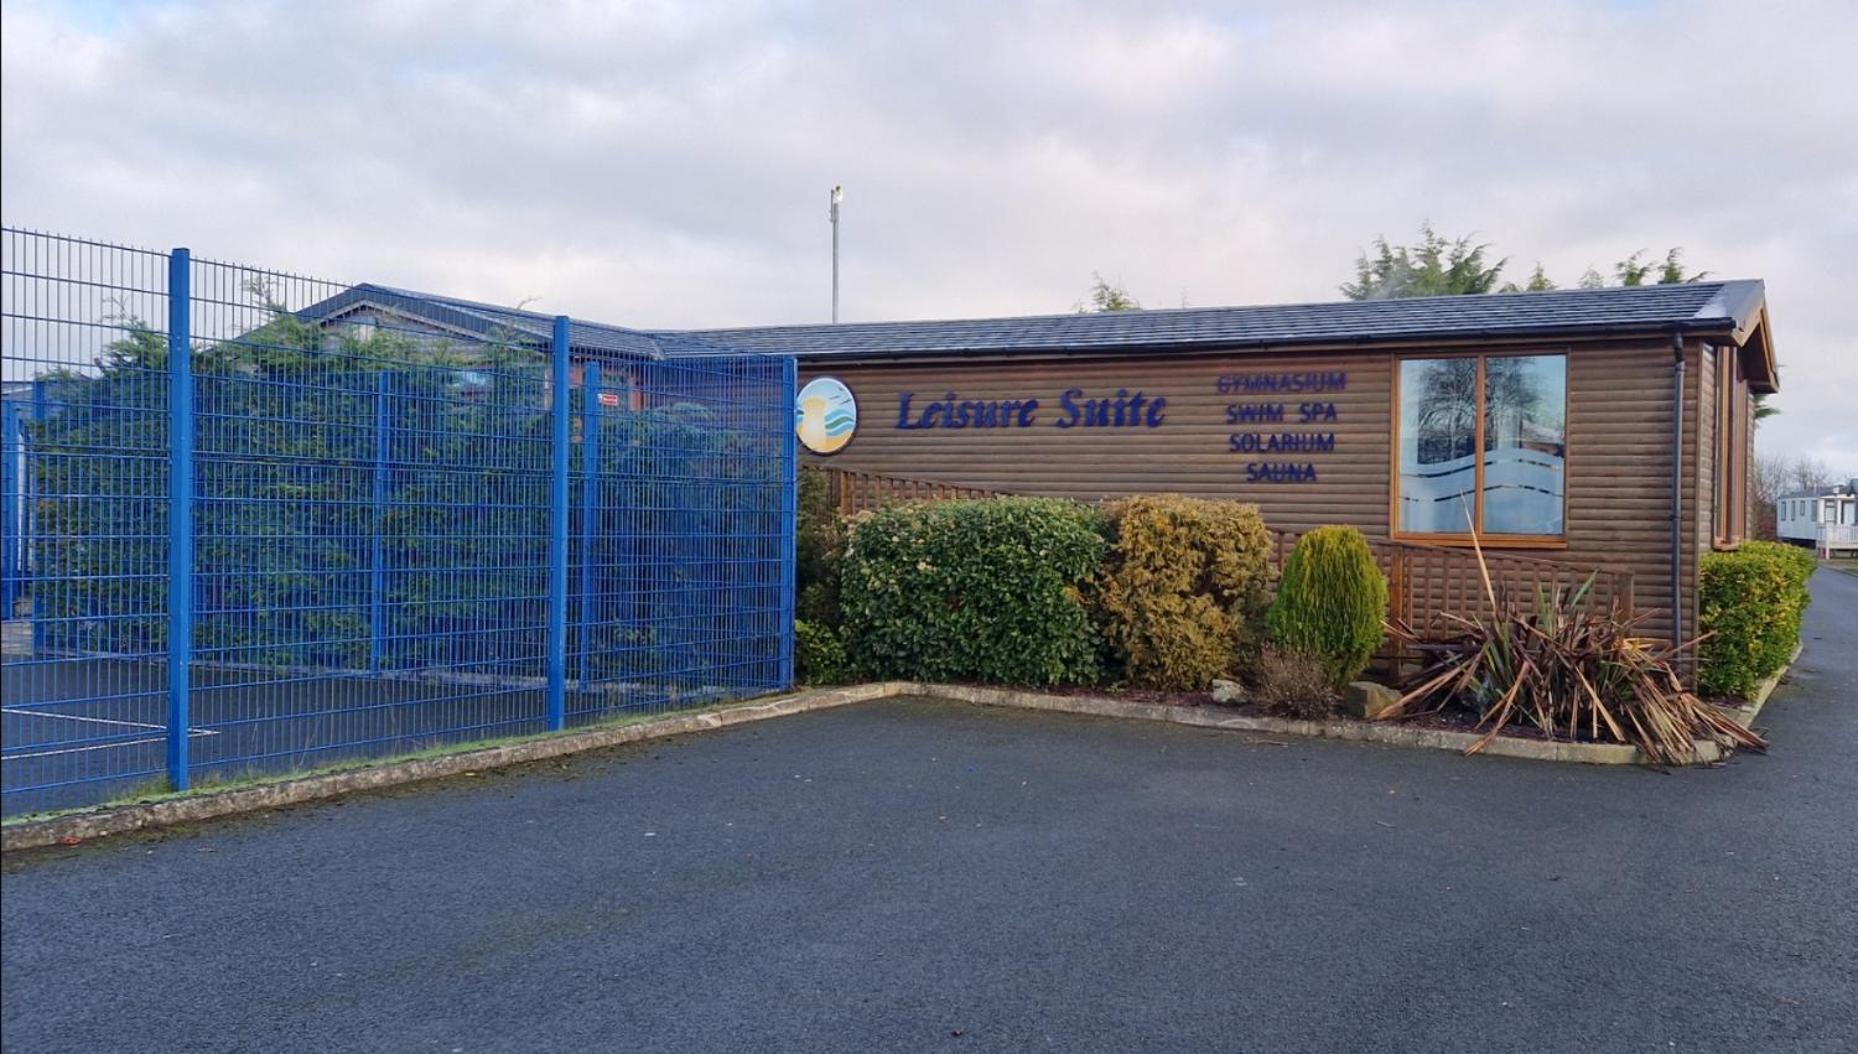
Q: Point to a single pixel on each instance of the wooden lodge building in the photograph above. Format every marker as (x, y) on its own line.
(1585, 430)
(1576, 431)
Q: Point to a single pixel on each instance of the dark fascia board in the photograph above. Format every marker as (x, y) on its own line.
(1739, 302)
(1744, 303)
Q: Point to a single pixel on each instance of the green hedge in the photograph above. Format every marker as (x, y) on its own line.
(287, 445)
(819, 546)
(1331, 602)
(988, 591)
(819, 655)
(1185, 589)
(1753, 599)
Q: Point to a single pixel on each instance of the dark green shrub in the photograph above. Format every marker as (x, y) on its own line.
(1184, 588)
(286, 440)
(819, 544)
(985, 590)
(1752, 600)
(1331, 602)
(819, 655)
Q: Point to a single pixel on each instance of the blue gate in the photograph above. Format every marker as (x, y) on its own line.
(353, 522)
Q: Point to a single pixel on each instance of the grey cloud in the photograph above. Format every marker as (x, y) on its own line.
(666, 163)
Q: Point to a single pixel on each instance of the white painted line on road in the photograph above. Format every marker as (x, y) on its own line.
(80, 750)
(75, 717)
(22, 711)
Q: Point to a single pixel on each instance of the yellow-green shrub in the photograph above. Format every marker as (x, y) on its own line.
(1331, 602)
(1185, 583)
(1753, 599)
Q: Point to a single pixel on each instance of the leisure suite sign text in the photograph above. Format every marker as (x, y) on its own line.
(1281, 421)
(1074, 409)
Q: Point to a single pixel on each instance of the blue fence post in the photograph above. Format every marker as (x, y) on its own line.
(180, 513)
(590, 505)
(27, 516)
(558, 532)
(377, 554)
(790, 504)
(11, 477)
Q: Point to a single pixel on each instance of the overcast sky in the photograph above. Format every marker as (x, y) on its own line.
(667, 164)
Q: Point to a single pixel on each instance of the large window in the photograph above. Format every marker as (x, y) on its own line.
(1482, 442)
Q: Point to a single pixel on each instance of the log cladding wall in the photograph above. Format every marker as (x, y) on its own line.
(1186, 452)
(1619, 469)
(1618, 433)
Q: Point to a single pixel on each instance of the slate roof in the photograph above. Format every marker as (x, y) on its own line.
(510, 325)
(1696, 306)
(1703, 308)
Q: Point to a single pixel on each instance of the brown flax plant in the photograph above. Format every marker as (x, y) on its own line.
(1567, 667)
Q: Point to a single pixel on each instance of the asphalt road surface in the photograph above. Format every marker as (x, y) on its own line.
(78, 732)
(911, 875)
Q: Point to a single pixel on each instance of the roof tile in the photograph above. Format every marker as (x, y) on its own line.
(1707, 304)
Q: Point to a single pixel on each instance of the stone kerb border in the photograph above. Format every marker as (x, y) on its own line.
(119, 819)
(1348, 730)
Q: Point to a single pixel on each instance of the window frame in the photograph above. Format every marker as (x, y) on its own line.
(1483, 538)
(1722, 520)
(1729, 517)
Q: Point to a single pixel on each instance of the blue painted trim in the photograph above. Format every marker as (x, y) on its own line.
(180, 514)
(790, 503)
(562, 406)
(590, 508)
(377, 551)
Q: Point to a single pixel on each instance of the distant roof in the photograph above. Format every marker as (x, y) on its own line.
(1831, 490)
(1699, 307)
(509, 325)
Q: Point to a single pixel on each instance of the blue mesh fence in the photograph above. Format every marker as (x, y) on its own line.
(395, 535)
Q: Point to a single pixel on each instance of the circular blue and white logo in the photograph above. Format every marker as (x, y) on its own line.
(825, 415)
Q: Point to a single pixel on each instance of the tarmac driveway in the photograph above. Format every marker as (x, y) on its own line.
(910, 875)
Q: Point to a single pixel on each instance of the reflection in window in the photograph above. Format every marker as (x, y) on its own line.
(1520, 442)
(1525, 443)
(1438, 445)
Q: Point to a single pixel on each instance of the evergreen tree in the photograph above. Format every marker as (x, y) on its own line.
(1437, 266)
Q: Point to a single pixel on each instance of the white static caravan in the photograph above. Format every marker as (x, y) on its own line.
(1827, 520)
